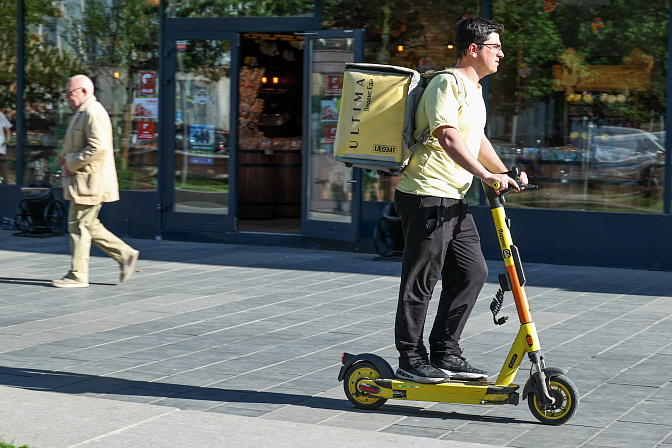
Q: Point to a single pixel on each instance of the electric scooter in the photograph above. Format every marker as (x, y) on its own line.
(553, 399)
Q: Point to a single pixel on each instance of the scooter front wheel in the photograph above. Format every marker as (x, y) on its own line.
(356, 373)
(566, 403)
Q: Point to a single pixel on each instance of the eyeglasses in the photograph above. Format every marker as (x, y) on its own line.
(496, 47)
(68, 92)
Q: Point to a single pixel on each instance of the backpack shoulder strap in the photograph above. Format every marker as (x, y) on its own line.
(461, 95)
(461, 88)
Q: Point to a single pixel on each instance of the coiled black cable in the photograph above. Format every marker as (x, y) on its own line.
(496, 306)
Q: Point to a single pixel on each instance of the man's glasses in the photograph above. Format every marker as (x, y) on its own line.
(68, 92)
(496, 47)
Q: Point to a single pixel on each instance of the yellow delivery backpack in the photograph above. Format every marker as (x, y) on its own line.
(376, 118)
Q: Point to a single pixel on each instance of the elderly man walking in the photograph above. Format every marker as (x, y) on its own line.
(90, 180)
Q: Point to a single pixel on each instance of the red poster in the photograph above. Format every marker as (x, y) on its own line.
(329, 134)
(147, 83)
(334, 84)
(146, 130)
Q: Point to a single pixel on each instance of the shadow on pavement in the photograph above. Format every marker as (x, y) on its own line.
(92, 385)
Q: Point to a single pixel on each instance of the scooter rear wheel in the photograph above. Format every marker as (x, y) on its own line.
(356, 373)
(566, 402)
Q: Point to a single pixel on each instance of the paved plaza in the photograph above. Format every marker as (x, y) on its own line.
(214, 345)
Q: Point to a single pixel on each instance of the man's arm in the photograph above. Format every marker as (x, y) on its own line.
(99, 139)
(489, 158)
(488, 169)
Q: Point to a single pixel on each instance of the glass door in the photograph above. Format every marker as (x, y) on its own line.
(332, 193)
(201, 73)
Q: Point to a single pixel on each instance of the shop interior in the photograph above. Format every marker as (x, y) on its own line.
(270, 133)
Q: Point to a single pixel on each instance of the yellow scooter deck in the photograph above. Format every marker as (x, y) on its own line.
(466, 392)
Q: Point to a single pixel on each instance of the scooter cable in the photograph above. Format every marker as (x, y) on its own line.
(496, 306)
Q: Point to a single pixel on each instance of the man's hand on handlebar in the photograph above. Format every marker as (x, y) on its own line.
(523, 178)
(502, 181)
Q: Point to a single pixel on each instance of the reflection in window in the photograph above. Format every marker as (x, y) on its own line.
(248, 8)
(202, 116)
(579, 103)
(118, 48)
(329, 193)
(8, 71)
(406, 34)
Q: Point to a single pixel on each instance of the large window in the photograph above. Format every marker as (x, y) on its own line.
(579, 102)
(116, 45)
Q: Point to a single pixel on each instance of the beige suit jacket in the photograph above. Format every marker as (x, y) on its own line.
(89, 154)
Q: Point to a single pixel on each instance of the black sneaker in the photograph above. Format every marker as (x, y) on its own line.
(422, 372)
(456, 367)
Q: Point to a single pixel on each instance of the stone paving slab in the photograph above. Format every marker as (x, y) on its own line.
(247, 340)
(57, 420)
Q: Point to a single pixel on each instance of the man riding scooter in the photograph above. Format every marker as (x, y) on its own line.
(441, 239)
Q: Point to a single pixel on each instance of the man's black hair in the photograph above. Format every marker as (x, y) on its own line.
(474, 30)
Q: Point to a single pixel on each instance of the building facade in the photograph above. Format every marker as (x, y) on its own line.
(224, 116)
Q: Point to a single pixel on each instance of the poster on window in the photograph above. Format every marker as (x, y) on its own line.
(201, 137)
(146, 130)
(147, 83)
(329, 110)
(329, 134)
(334, 84)
(146, 107)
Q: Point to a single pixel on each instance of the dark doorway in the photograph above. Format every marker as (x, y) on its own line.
(270, 133)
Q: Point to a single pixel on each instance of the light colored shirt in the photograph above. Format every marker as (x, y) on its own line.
(431, 171)
(4, 124)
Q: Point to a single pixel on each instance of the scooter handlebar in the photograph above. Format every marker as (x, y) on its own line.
(514, 174)
(496, 198)
(522, 186)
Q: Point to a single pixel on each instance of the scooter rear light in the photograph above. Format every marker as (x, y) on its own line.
(345, 357)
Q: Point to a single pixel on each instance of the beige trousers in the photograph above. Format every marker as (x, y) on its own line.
(84, 228)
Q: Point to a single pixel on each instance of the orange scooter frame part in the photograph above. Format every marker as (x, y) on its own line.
(506, 246)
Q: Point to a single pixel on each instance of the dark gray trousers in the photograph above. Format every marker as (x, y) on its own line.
(441, 240)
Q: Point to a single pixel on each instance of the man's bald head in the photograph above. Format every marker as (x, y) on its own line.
(77, 90)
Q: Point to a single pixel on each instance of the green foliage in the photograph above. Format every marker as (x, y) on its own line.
(373, 16)
(9, 445)
(234, 8)
(530, 36)
(208, 58)
(36, 12)
(47, 70)
(537, 37)
(628, 24)
(388, 22)
(123, 36)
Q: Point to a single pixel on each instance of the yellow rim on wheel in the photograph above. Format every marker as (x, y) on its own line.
(559, 410)
(356, 373)
(565, 406)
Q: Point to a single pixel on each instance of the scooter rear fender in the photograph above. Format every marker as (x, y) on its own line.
(383, 366)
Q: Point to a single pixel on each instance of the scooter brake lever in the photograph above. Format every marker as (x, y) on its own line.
(522, 186)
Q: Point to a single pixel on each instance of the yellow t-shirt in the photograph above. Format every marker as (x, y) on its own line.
(430, 171)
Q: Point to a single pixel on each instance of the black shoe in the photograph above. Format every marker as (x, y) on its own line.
(422, 372)
(456, 367)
